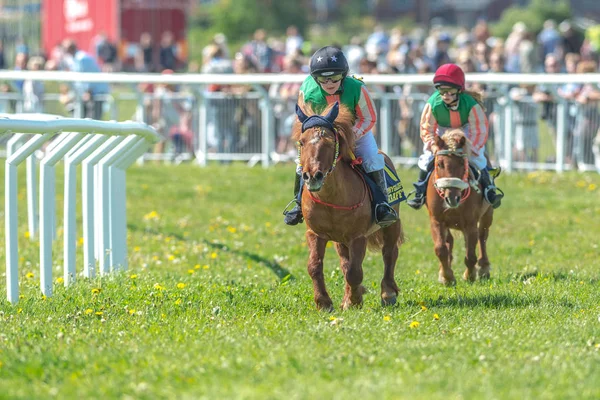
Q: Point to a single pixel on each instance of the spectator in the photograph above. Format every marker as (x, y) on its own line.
(20, 65)
(259, 51)
(33, 91)
(294, 40)
(2, 62)
(512, 47)
(90, 95)
(544, 94)
(168, 107)
(168, 52)
(144, 59)
(106, 53)
(571, 40)
(588, 117)
(525, 119)
(182, 136)
(548, 39)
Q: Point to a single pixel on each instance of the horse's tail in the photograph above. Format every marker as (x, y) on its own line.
(375, 241)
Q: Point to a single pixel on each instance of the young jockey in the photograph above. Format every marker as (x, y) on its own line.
(328, 83)
(451, 106)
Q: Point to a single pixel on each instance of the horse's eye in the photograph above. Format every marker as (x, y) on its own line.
(440, 164)
(299, 143)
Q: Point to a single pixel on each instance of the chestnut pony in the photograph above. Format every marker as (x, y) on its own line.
(336, 206)
(455, 201)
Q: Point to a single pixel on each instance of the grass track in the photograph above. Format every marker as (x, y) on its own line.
(217, 303)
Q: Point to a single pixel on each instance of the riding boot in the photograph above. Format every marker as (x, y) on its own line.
(420, 188)
(294, 216)
(491, 193)
(385, 215)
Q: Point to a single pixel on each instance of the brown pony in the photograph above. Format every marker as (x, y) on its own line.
(455, 201)
(336, 207)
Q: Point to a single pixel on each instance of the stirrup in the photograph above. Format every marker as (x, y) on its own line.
(386, 222)
(499, 196)
(495, 172)
(415, 202)
(285, 210)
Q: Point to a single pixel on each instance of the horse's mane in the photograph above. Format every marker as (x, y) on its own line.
(452, 138)
(343, 123)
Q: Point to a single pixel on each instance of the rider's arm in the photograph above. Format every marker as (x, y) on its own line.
(366, 116)
(428, 126)
(478, 128)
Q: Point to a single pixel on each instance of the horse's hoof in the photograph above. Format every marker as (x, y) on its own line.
(388, 301)
(447, 282)
(326, 308)
(483, 275)
(469, 276)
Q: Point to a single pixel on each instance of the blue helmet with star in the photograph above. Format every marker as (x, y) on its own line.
(328, 61)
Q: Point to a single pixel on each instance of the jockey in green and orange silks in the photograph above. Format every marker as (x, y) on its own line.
(327, 84)
(451, 107)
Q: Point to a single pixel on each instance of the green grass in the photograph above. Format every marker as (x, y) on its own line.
(217, 303)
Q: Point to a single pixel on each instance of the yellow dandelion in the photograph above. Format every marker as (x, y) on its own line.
(268, 224)
(137, 249)
(177, 302)
(414, 324)
(134, 276)
(180, 285)
(197, 266)
(154, 258)
(80, 241)
(167, 239)
(21, 296)
(423, 308)
(99, 313)
(171, 257)
(417, 272)
(145, 186)
(131, 312)
(88, 311)
(152, 216)
(29, 275)
(531, 242)
(157, 286)
(205, 266)
(581, 184)
(213, 255)
(332, 318)
(191, 271)
(387, 318)
(592, 187)
(26, 235)
(60, 280)
(436, 317)
(19, 311)
(231, 229)
(96, 290)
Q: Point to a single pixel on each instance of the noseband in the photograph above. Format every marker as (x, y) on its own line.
(457, 183)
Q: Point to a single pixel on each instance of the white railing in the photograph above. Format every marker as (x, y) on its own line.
(207, 106)
(105, 150)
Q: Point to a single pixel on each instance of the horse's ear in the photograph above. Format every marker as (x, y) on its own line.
(333, 113)
(462, 142)
(301, 116)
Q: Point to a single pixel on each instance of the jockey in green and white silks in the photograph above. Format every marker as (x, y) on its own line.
(451, 107)
(328, 83)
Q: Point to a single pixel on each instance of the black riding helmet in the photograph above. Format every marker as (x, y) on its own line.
(328, 61)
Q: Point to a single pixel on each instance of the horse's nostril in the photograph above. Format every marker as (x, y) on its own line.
(306, 176)
(457, 199)
(319, 175)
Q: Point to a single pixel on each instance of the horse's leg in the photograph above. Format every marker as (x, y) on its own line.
(439, 232)
(470, 234)
(389, 251)
(316, 248)
(484, 229)
(450, 243)
(351, 258)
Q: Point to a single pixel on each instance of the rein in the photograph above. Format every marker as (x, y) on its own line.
(459, 183)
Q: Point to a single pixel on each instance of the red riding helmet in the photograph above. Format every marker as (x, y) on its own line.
(449, 75)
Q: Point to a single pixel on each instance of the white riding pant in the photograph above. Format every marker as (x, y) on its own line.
(478, 160)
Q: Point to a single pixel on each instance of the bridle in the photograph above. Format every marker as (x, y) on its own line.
(457, 183)
(336, 158)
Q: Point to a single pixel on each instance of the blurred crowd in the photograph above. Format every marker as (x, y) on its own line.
(559, 47)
